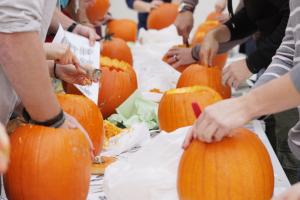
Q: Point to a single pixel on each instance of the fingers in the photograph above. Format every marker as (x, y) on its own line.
(188, 139)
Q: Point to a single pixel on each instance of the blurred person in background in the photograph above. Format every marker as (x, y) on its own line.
(144, 7)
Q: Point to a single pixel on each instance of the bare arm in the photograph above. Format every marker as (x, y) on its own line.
(29, 74)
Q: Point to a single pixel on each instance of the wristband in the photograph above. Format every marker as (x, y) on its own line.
(186, 7)
(54, 122)
(72, 27)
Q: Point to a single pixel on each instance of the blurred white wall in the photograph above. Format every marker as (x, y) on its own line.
(119, 9)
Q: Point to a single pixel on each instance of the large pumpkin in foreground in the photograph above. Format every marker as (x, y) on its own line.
(175, 108)
(205, 76)
(116, 48)
(48, 164)
(163, 16)
(125, 29)
(88, 115)
(236, 168)
(118, 83)
(96, 11)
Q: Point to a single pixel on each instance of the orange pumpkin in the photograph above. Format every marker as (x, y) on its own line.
(116, 48)
(213, 16)
(88, 114)
(48, 164)
(97, 10)
(236, 168)
(125, 29)
(70, 88)
(163, 16)
(203, 29)
(180, 68)
(118, 83)
(175, 108)
(205, 76)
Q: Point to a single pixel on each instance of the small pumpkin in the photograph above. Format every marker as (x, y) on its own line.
(118, 83)
(236, 168)
(163, 16)
(205, 76)
(48, 164)
(96, 11)
(88, 115)
(175, 108)
(125, 29)
(116, 48)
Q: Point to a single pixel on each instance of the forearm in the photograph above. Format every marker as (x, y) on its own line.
(141, 6)
(276, 96)
(29, 74)
(221, 34)
(59, 18)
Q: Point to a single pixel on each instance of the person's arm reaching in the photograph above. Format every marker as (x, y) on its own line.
(59, 18)
(218, 120)
(28, 74)
(266, 49)
(282, 61)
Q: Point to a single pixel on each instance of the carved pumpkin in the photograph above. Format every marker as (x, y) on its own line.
(97, 10)
(116, 48)
(88, 114)
(175, 108)
(125, 29)
(236, 168)
(203, 29)
(163, 16)
(48, 164)
(118, 83)
(205, 76)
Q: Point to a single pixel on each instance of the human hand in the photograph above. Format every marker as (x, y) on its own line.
(154, 4)
(107, 17)
(217, 121)
(83, 75)
(220, 5)
(236, 73)
(224, 17)
(209, 49)
(4, 150)
(184, 24)
(292, 193)
(178, 56)
(87, 32)
(61, 53)
(72, 123)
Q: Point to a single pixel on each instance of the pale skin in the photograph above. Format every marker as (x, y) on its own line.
(292, 193)
(4, 149)
(217, 121)
(60, 18)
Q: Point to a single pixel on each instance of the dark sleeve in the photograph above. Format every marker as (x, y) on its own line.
(266, 49)
(130, 3)
(240, 25)
(192, 3)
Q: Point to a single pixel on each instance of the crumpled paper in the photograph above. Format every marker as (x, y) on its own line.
(136, 109)
(150, 173)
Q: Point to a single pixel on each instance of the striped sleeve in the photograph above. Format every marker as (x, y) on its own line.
(282, 62)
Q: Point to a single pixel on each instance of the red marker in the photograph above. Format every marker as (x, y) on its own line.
(196, 109)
